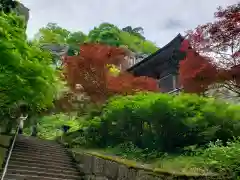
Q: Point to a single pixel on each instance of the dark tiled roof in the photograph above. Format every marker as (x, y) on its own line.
(56, 48)
(161, 50)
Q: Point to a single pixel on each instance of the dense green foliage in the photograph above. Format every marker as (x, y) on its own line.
(224, 159)
(8, 5)
(163, 122)
(174, 133)
(216, 157)
(105, 33)
(109, 34)
(56, 35)
(25, 71)
(137, 31)
(50, 127)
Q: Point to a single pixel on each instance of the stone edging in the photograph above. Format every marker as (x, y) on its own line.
(96, 166)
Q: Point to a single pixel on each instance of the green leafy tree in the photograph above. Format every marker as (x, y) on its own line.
(25, 71)
(74, 41)
(56, 38)
(106, 33)
(52, 33)
(8, 5)
(138, 31)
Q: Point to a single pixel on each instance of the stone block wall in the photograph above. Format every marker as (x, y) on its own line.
(23, 11)
(95, 167)
(4, 145)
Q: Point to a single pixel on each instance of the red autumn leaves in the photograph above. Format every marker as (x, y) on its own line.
(90, 70)
(214, 58)
(126, 83)
(219, 47)
(197, 73)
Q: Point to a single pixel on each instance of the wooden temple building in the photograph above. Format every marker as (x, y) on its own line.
(163, 65)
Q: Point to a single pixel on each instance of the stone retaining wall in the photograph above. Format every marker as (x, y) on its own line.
(4, 145)
(97, 167)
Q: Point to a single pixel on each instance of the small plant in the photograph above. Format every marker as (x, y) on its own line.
(50, 127)
(224, 159)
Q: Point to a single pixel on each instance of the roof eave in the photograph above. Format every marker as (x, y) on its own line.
(155, 54)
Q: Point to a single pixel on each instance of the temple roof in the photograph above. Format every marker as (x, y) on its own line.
(159, 57)
(56, 49)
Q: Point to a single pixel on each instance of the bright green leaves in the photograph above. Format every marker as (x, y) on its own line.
(109, 34)
(26, 74)
(105, 33)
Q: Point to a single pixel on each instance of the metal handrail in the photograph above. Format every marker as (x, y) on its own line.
(175, 90)
(9, 153)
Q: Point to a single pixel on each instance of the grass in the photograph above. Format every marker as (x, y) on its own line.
(184, 164)
(215, 160)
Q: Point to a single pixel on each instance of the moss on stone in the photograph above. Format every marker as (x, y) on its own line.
(146, 168)
(4, 144)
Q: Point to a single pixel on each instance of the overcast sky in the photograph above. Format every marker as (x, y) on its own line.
(161, 20)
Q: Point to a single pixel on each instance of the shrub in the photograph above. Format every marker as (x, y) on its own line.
(224, 159)
(164, 122)
(130, 151)
(49, 127)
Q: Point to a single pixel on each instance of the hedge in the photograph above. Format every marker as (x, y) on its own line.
(156, 121)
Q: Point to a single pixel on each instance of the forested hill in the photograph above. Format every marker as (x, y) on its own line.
(106, 33)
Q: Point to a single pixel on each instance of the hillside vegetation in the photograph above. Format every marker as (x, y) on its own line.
(105, 33)
(184, 133)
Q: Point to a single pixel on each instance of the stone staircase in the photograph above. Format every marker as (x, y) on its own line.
(35, 159)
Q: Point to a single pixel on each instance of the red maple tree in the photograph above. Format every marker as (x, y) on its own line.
(217, 53)
(196, 72)
(126, 83)
(89, 69)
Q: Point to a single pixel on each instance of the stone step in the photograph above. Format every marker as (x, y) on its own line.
(51, 155)
(41, 149)
(38, 145)
(54, 143)
(69, 166)
(41, 174)
(46, 169)
(42, 161)
(34, 139)
(37, 172)
(37, 159)
(27, 144)
(34, 177)
(41, 155)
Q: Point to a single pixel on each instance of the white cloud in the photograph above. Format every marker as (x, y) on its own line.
(161, 20)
